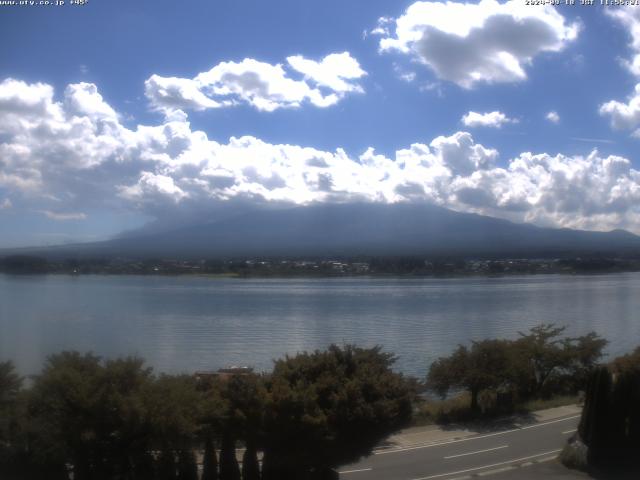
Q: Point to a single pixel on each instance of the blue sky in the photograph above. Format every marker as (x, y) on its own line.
(114, 114)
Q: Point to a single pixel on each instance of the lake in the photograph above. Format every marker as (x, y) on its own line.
(182, 324)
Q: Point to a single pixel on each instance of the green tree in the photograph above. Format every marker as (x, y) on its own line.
(627, 363)
(167, 468)
(544, 352)
(229, 468)
(10, 386)
(65, 404)
(209, 461)
(244, 398)
(10, 425)
(250, 465)
(584, 353)
(486, 365)
(331, 407)
(545, 357)
(92, 414)
(187, 466)
(172, 406)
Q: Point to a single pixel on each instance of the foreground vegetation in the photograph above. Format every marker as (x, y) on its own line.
(117, 419)
(501, 376)
(608, 439)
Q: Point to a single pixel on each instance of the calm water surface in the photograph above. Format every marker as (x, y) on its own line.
(180, 324)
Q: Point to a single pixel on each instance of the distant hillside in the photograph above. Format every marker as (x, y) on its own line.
(358, 229)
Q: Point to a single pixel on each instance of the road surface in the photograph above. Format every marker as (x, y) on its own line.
(467, 457)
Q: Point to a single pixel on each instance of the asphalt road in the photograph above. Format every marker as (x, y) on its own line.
(468, 457)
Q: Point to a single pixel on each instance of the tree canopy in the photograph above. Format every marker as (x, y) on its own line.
(537, 362)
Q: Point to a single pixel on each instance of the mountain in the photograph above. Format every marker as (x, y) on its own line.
(357, 229)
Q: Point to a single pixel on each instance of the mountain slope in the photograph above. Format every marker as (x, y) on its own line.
(360, 229)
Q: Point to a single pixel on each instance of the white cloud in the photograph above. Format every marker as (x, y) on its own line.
(64, 216)
(626, 116)
(404, 75)
(492, 119)
(6, 204)
(178, 93)
(264, 86)
(64, 157)
(468, 44)
(553, 117)
(382, 26)
(623, 116)
(629, 18)
(335, 72)
(152, 185)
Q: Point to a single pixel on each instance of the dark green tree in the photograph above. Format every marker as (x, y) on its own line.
(10, 386)
(543, 351)
(331, 407)
(209, 461)
(65, 406)
(173, 411)
(229, 468)
(92, 414)
(544, 358)
(167, 468)
(583, 353)
(250, 465)
(187, 466)
(486, 365)
(11, 426)
(244, 398)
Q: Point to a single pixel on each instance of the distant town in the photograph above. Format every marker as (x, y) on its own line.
(326, 267)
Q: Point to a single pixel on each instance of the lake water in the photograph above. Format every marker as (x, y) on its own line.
(182, 324)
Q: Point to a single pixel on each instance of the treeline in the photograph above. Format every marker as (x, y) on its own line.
(116, 419)
(324, 267)
(500, 374)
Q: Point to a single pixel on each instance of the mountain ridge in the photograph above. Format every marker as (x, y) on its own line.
(363, 229)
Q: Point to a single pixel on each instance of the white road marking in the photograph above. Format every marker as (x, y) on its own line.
(440, 475)
(474, 453)
(569, 431)
(355, 471)
(478, 437)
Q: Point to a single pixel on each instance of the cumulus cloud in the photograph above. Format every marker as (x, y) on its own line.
(335, 72)
(468, 44)
(262, 85)
(553, 117)
(629, 18)
(150, 185)
(62, 156)
(492, 119)
(623, 116)
(626, 116)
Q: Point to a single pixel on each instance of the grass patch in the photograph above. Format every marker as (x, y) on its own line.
(457, 409)
(429, 412)
(542, 404)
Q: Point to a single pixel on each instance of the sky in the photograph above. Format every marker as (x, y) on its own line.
(117, 115)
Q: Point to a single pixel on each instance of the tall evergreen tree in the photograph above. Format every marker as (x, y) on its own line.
(250, 465)
(229, 468)
(167, 469)
(187, 466)
(209, 461)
